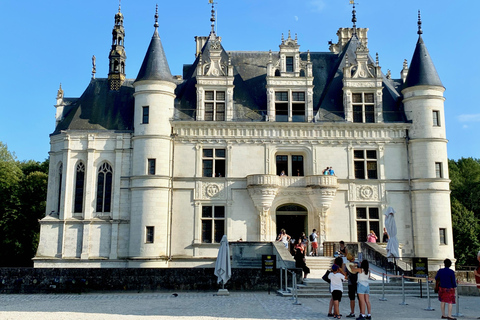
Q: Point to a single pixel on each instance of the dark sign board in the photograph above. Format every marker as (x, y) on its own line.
(269, 264)
(420, 267)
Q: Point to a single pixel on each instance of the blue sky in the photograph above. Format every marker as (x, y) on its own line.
(52, 42)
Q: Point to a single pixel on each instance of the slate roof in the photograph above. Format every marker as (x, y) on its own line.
(422, 71)
(101, 109)
(155, 64)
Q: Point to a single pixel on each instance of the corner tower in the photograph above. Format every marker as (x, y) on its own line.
(428, 162)
(152, 154)
(117, 56)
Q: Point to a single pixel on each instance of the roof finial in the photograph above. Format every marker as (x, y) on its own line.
(94, 66)
(354, 17)
(419, 24)
(156, 17)
(212, 19)
(119, 5)
(376, 59)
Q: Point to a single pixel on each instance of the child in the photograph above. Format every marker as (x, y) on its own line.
(336, 286)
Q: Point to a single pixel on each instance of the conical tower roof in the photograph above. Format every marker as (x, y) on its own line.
(155, 64)
(422, 71)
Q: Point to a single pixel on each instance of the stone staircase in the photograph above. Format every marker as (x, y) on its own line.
(317, 288)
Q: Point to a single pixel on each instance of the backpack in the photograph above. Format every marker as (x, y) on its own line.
(312, 238)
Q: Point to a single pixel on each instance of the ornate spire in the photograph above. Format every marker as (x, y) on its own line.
(156, 17)
(419, 32)
(212, 19)
(354, 17)
(117, 56)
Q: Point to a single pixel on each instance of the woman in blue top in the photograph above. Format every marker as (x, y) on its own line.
(446, 293)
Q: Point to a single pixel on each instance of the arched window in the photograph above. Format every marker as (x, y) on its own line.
(60, 176)
(104, 188)
(79, 187)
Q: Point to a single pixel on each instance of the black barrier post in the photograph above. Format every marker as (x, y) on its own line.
(457, 314)
(383, 288)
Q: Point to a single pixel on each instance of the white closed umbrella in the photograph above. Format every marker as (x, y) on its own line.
(391, 226)
(223, 267)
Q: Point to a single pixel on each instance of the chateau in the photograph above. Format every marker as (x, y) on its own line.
(153, 171)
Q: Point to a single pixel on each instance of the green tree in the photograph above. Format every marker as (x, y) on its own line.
(23, 190)
(465, 198)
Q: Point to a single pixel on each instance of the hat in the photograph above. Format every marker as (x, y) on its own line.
(334, 267)
(350, 256)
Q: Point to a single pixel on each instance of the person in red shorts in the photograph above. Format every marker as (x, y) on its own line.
(314, 242)
(446, 293)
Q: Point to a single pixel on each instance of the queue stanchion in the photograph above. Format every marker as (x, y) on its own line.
(429, 308)
(293, 285)
(383, 288)
(457, 314)
(281, 279)
(403, 303)
(286, 280)
(295, 290)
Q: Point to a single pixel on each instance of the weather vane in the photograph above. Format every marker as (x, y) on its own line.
(212, 19)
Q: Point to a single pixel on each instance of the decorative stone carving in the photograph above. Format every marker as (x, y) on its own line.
(367, 192)
(213, 190)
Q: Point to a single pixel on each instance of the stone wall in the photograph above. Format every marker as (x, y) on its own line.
(73, 280)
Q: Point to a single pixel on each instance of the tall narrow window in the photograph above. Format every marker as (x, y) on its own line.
(149, 234)
(365, 163)
(363, 107)
(289, 64)
(151, 166)
(436, 118)
(145, 114)
(367, 219)
(213, 223)
(438, 170)
(443, 236)
(281, 106)
(79, 187)
(298, 106)
(213, 162)
(104, 188)
(215, 105)
(60, 181)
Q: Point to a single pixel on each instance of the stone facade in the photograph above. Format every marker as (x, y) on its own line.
(173, 163)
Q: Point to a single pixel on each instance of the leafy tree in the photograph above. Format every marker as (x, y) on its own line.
(23, 190)
(466, 234)
(465, 198)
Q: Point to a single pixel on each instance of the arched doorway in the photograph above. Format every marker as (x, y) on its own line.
(292, 218)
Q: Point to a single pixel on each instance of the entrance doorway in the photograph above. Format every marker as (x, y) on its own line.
(292, 218)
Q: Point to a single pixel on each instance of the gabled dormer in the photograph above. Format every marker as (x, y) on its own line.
(362, 84)
(214, 80)
(289, 84)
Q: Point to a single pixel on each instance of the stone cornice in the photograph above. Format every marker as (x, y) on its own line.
(275, 132)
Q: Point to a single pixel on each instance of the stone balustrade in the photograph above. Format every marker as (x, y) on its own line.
(316, 181)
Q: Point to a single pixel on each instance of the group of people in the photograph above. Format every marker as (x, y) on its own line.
(300, 247)
(328, 171)
(358, 285)
(372, 237)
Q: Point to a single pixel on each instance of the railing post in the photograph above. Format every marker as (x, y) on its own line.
(403, 291)
(429, 308)
(295, 289)
(383, 288)
(281, 279)
(457, 314)
(286, 280)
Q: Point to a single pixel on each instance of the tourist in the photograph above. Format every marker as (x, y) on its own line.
(284, 237)
(336, 287)
(314, 242)
(326, 171)
(299, 256)
(363, 290)
(446, 292)
(343, 250)
(304, 239)
(352, 283)
(331, 172)
(385, 236)
(372, 237)
(339, 263)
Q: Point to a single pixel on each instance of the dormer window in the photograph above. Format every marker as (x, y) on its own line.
(214, 105)
(363, 107)
(289, 64)
(290, 106)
